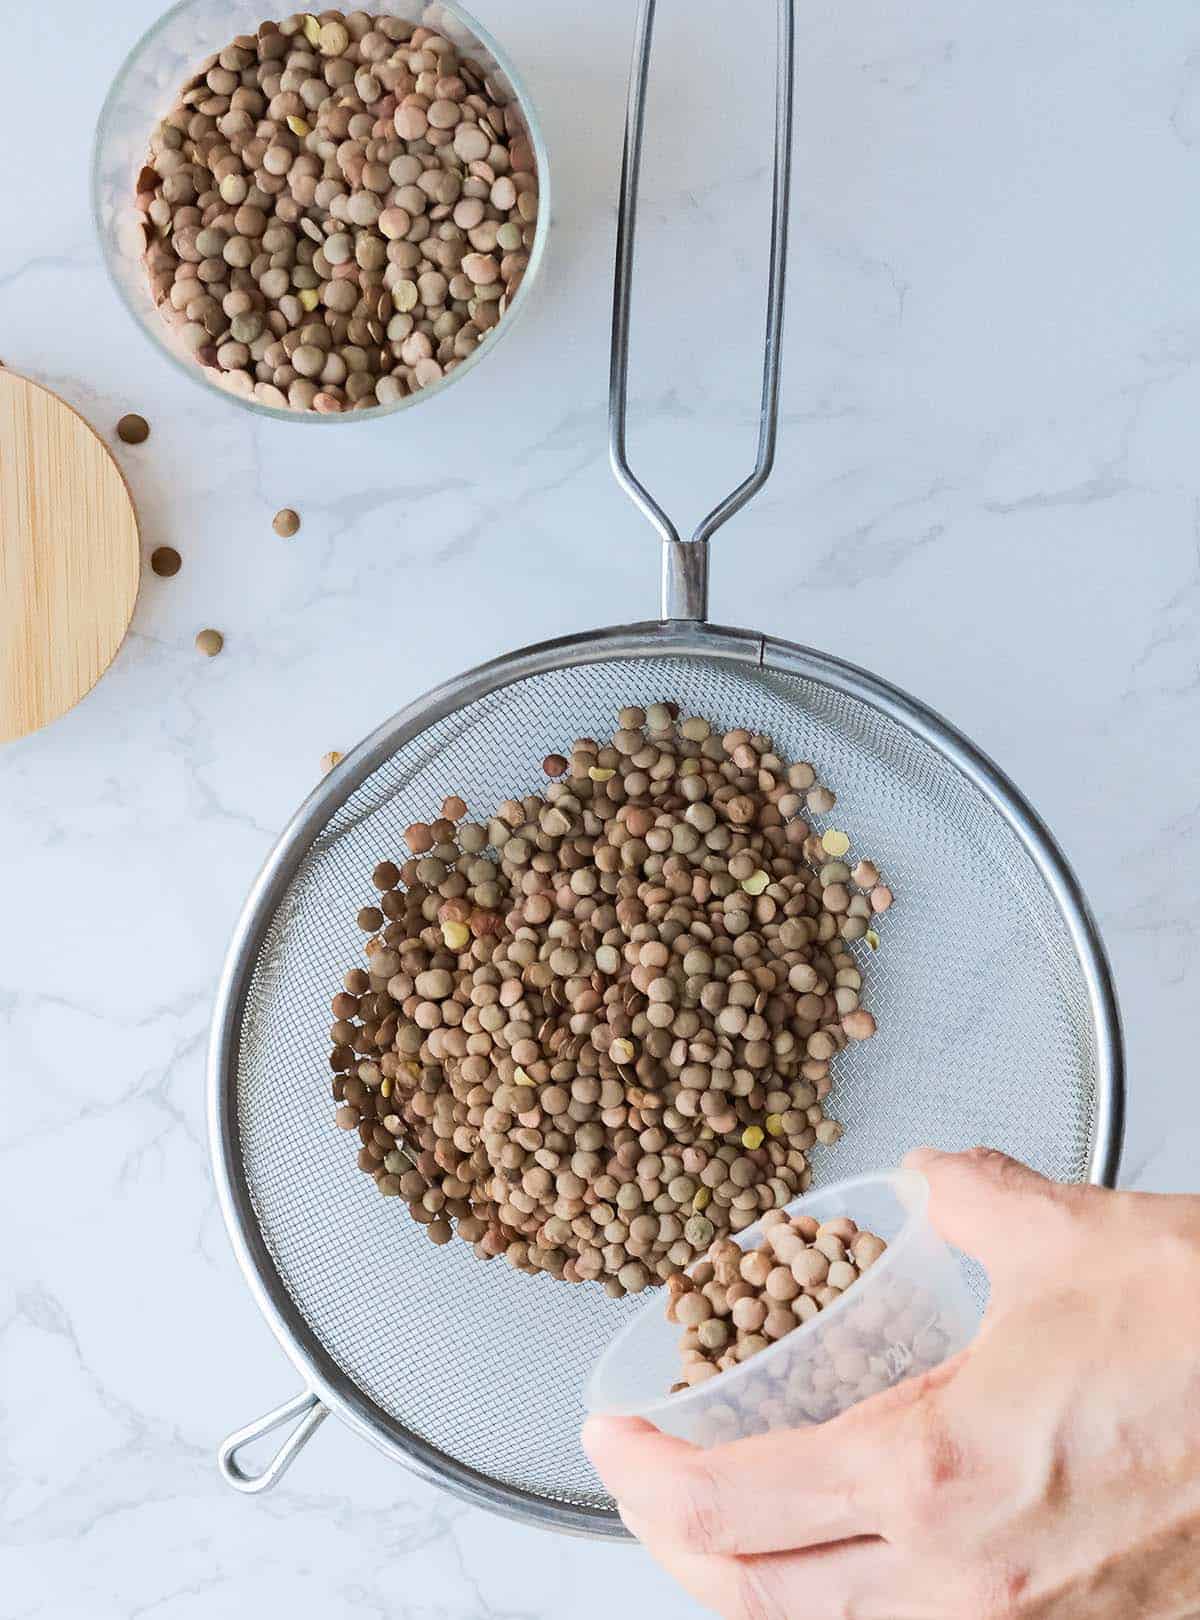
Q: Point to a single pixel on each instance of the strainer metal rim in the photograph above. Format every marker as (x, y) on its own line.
(329, 1385)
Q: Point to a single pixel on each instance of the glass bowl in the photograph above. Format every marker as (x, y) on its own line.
(143, 91)
(911, 1311)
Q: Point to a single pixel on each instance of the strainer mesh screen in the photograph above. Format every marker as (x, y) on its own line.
(985, 1035)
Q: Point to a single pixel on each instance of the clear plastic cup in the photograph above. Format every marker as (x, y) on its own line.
(910, 1311)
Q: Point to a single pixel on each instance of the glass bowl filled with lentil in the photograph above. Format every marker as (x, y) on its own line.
(323, 214)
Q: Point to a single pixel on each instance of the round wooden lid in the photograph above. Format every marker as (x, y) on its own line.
(69, 557)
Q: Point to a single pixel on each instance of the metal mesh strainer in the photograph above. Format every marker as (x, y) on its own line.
(996, 1012)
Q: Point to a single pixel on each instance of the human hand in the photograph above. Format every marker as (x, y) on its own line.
(1051, 1471)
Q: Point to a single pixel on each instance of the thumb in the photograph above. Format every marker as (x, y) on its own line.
(991, 1206)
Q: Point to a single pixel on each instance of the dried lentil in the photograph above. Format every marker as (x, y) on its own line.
(771, 1298)
(331, 175)
(165, 561)
(133, 429)
(601, 1050)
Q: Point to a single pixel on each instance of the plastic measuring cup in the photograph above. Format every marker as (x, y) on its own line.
(910, 1311)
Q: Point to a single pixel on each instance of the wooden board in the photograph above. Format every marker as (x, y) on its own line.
(69, 557)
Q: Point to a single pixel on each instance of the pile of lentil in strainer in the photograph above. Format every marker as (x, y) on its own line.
(338, 209)
(597, 1032)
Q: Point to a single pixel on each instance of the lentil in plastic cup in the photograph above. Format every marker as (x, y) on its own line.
(912, 1310)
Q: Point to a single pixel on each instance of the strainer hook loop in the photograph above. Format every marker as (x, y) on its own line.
(311, 1413)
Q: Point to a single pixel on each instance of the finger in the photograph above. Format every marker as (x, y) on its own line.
(989, 1205)
(854, 1577)
(768, 1493)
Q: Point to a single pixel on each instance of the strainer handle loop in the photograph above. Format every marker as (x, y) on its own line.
(307, 1408)
(685, 562)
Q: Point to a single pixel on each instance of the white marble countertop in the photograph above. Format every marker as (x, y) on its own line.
(986, 490)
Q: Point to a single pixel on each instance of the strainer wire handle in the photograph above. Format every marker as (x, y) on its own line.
(305, 1410)
(685, 562)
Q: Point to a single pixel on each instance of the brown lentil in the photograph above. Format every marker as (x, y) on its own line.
(605, 1017)
(133, 429)
(771, 1299)
(337, 173)
(165, 561)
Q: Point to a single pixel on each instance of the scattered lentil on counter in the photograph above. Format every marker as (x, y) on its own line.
(165, 561)
(133, 430)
